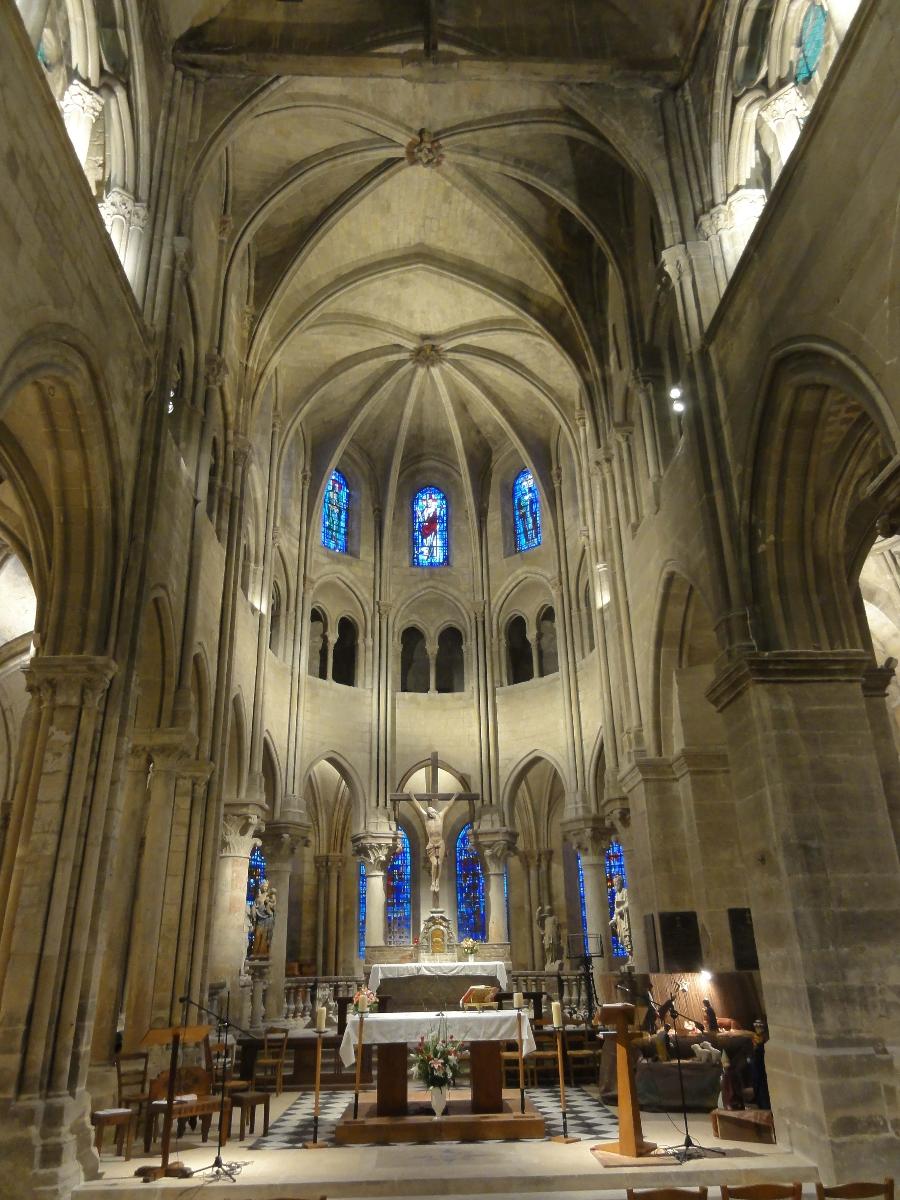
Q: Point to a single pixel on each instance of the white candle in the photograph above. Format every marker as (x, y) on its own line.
(518, 999)
(556, 1009)
(362, 1004)
(321, 1017)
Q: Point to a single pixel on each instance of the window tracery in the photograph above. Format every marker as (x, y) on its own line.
(430, 543)
(335, 513)
(526, 503)
(470, 920)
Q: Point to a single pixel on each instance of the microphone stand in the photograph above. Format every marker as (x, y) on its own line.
(219, 1168)
(688, 1148)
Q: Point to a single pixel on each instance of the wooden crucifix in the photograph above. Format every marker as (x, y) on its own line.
(425, 802)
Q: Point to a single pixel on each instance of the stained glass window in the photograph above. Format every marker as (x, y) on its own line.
(469, 887)
(812, 42)
(335, 511)
(361, 949)
(397, 910)
(583, 903)
(255, 875)
(430, 544)
(615, 865)
(526, 511)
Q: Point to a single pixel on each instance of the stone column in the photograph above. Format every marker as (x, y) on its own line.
(125, 220)
(330, 963)
(193, 776)
(375, 851)
(824, 882)
(228, 948)
(81, 106)
(535, 643)
(321, 863)
(280, 842)
(167, 750)
(875, 685)
(50, 873)
(591, 838)
(526, 858)
(34, 14)
(497, 845)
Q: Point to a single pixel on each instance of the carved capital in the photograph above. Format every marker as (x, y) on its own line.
(280, 843)
(786, 667)
(82, 100)
(497, 846)
(375, 850)
(590, 836)
(117, 203)
(424, 150)
(69, 681)
(184, 255)
(239, 830)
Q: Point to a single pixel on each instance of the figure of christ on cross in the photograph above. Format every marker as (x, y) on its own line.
(434, 820)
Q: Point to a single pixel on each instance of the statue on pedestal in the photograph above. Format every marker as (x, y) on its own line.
(262, 920)
(548, 923)
(621, 919)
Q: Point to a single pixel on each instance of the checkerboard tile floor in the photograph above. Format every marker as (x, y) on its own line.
(588, 1117)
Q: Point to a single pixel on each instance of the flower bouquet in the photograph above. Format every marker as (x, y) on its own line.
(436, 1060)
(467, 945)
(371, 1001)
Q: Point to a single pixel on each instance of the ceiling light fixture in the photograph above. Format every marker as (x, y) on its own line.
(675, 392)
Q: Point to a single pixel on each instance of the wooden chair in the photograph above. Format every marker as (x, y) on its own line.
(543, 1058)
(131, 1080)
(762, 1191)
(666, 1193)
(119, 1119)
(856, 1191)
(270, 1064)
(582, 1051)
(189, 1081)
(222, 1072)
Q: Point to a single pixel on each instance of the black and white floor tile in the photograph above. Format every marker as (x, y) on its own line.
(588, 1117)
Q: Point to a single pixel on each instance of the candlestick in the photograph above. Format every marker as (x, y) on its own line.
(518, 999)
(321, 1018)
(556, 1009)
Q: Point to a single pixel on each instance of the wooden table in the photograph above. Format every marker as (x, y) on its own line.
(393, 1033)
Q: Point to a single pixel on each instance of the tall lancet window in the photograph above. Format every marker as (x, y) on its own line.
(526, 511)
(469, 887)
(256, 873)
(397, 909)
(430, 543)
(583, 903)
(361, 947)
(615, 865)
(335, 513)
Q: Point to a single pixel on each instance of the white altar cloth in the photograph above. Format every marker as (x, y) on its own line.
(494, 970)
(492, 1025)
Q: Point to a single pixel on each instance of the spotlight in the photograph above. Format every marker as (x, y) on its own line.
(677, 406)
(675, 392)
(705, 976)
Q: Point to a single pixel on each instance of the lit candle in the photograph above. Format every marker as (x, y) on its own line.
(518, 999)
(362, 1003)
(556, 1009)
(321, 1017)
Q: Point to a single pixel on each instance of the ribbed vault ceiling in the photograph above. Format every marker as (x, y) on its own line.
(486, 241)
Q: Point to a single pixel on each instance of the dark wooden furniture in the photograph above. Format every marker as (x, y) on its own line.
(248, 1102)
(666, 1193)
(763, 1191)
(131, 1081)
(121, 1120)
(270, 1064)
(189, 1081)
(856, 1191)
(743, 1124)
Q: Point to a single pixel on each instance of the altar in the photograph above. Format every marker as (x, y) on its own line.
(489, 1114)
(489, 969)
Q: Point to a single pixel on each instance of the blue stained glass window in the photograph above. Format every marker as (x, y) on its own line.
(469, 887)
(583, 903)
(335, 511)
(256, 873)
(526, 511)
(812, 42)
(430, 544)
(397, 910)
(615, 865)
(361, 949)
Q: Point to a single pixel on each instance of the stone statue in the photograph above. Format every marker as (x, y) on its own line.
(621, 919)
(548, 923)
(434, 850)
(262, 918)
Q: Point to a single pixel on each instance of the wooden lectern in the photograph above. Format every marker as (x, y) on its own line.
(176, 1037)
(631, 1138)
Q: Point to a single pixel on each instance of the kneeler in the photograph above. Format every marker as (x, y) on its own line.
(174, 1037)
